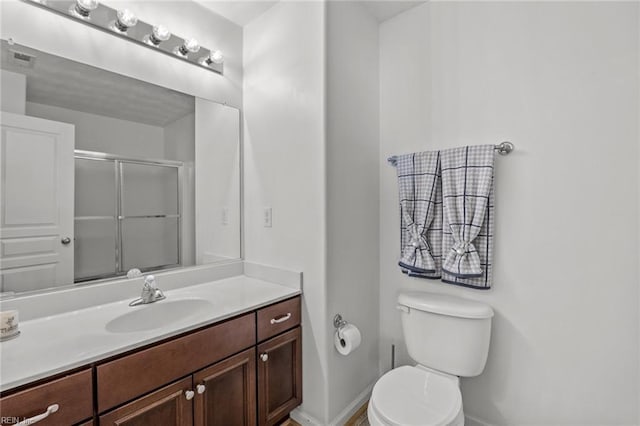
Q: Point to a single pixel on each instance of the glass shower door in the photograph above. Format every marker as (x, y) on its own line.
(95, 219)
(150, 215)
(127, 215)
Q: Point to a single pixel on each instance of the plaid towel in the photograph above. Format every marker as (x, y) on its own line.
(467, 195)
(420, 213)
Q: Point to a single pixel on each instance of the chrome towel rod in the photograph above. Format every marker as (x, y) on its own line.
(503, 148)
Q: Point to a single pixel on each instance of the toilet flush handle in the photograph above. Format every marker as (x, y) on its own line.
(403, 308)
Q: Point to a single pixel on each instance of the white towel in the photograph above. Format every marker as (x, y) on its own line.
(421, 214)
(467, 195)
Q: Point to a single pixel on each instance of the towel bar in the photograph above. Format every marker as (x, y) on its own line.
(503, 148)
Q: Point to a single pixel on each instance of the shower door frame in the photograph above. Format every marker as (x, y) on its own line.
(118, 160)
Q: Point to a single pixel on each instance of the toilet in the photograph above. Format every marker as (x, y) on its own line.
(449, 338)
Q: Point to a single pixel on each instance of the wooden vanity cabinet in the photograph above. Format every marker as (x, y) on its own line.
(130, 376)
(245, 371)
(226, 392)
(223, 394)
(279, 361)
(279, 376)
(169, 405)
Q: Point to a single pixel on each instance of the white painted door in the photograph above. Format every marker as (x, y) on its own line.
(36, 203)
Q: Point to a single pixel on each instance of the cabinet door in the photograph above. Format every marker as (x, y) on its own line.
(169, 406)
(279, 376)
(226, 392)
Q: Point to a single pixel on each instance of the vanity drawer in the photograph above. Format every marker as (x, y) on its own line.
(73, 394)
(133, 375)
(277, 318)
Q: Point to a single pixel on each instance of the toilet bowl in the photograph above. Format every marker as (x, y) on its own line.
(416, 396)
(449, 338)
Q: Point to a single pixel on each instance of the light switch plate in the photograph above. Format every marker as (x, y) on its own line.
(267, 219)
(225, 215)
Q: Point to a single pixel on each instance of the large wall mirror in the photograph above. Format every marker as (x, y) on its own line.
(103, 174)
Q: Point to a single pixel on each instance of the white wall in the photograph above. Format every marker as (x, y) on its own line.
(40, 29)
(560, 80)
(105, 134)
(179, 139)
(13, 92)
(285, 167)
(352, 197)
(217, 133)
(179, 144)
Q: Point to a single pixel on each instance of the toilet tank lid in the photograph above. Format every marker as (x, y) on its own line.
(444, 304)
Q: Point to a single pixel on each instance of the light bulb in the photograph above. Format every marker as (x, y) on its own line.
(189, 45)
(83, 8)
(216, 57)
(159, 34)
(125, 20)
(192, 45)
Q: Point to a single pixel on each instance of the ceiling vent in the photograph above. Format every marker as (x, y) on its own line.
(22, 59)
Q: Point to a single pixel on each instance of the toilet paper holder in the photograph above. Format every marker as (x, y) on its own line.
(338, 322)
(347, 337)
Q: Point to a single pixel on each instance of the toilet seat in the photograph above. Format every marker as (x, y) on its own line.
(413, 396)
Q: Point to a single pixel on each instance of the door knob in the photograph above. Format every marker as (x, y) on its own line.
(65, 240)
(189, 394)
(264, 357)
(200, 389)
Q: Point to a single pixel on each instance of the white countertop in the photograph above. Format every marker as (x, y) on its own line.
(57, 343)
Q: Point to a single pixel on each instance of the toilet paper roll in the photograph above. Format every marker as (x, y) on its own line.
(347, 339)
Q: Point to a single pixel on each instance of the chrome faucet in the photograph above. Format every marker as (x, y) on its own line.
(150, 292)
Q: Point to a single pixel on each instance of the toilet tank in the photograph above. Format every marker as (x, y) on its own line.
(446, 333)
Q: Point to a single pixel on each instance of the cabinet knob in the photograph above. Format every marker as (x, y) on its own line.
(189, 395)
(200, 389)
(65, 240)
(264, 357)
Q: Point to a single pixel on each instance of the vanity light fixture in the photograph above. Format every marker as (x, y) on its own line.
(125, 19)
(125, 24)
(190, 45)
(159, 34)
(83, 8)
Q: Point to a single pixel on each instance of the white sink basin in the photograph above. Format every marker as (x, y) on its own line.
(157, 315)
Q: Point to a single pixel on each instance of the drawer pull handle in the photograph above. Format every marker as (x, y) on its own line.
(282, 318)
(264, 357)
(200, 389)
(189, 395)
(50, 410)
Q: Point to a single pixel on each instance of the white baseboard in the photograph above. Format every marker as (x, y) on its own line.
(307, 420)
(303, 418)
(473, 421)
(350, 409)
